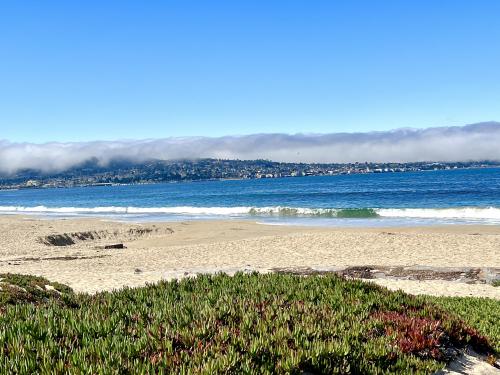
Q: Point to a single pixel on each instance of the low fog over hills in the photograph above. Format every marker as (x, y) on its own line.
(467, 143)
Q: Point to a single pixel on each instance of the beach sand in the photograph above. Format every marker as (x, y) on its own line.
(451, 260)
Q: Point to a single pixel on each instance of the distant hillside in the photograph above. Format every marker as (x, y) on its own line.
(155, 171)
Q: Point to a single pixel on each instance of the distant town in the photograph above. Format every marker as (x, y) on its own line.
(123, 172)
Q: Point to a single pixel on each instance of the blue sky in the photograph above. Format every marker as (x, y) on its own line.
(86, 70)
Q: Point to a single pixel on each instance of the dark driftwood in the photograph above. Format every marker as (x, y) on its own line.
(115, 246)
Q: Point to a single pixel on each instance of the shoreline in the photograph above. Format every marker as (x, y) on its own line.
(106, 184)
(460, 260)
(373, 171)
(327, 218)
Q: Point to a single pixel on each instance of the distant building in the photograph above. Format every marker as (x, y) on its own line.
(32, 183)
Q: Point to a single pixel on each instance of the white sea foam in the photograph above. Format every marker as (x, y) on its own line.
(189, 210)
(183, 210)
(442, 213)
(467, 213)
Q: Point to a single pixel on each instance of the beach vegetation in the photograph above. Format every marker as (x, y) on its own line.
(16, 289)
(247, 323)
(483, 314)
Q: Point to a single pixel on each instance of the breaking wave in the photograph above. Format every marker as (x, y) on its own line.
(314, 212)
(473, 213)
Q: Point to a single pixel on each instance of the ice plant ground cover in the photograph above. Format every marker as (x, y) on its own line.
(253, 323)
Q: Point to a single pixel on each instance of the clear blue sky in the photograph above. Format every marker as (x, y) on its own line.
(84, 70)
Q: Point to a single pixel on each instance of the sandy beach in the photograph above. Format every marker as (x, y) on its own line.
(453, 260)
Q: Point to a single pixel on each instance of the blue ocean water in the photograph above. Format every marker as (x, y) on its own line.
(416, 198)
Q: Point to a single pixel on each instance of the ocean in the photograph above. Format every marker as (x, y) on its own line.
(470, 196)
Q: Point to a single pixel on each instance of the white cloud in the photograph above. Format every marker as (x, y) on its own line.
(467, 143)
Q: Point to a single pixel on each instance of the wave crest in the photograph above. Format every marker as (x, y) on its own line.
(314, 212)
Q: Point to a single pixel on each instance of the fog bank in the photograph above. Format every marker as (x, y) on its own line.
(467, 143)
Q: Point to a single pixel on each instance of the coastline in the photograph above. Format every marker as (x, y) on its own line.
(444, 166)
(459, 260)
